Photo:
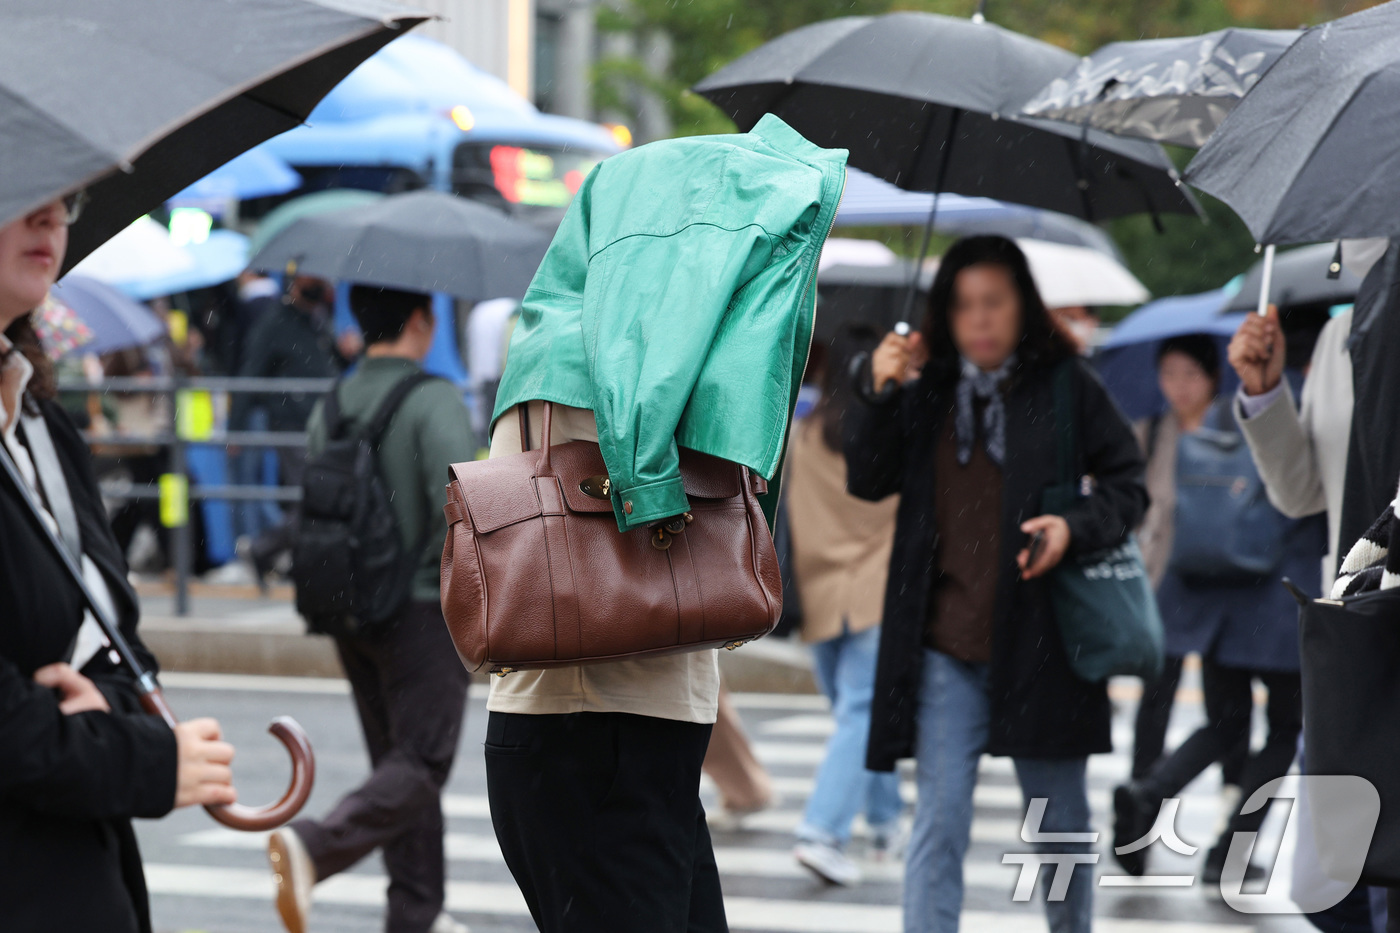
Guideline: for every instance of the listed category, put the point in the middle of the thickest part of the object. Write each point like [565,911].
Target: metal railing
[179,440]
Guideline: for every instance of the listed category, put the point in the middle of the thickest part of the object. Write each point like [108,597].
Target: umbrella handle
[259,819]
[1268,280]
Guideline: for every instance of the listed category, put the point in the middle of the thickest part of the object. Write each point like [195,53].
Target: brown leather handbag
[535,573]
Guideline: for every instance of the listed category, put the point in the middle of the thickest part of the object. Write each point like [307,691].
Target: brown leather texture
[535,573]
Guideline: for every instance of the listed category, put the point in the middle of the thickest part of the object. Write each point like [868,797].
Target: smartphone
[1033,549]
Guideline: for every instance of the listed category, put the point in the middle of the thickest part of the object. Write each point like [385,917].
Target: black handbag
[1351,709]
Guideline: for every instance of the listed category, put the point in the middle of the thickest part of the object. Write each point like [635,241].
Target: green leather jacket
[676,302]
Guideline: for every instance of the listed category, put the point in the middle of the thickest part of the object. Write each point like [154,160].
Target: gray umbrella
[932,103]
[1301,277]
[138,99]
[1167,90]
[423,241]
[1313,153]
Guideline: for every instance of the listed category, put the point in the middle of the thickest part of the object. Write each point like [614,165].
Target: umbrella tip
[981,15]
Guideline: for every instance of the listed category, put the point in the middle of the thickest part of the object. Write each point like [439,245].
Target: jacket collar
[788,141]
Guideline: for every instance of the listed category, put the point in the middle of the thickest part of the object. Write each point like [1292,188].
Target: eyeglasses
[73,205]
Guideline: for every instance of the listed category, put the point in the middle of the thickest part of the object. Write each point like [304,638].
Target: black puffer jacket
[1040,708]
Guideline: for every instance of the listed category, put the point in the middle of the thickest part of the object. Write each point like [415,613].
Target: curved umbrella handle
[258,819]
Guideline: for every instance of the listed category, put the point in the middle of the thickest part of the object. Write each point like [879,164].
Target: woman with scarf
[970,659]
[78,757]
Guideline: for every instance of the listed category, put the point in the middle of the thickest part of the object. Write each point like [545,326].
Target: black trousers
[599,818]
[1229,696]
[410,691]
[1154,713]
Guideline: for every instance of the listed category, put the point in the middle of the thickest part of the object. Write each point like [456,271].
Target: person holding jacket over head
[970,657]
[673,309]
[78,756]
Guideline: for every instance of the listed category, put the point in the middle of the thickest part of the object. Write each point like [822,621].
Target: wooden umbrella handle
[259,819]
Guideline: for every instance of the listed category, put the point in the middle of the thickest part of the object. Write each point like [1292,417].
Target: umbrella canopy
[1313,153]
[870,201]
[138,99]
[1127,361]
[1300,278]
[257,173]
[425,241]
[932,103]
[142,250]
[116,321]
[1074,276]
[1166,90]
[308,205]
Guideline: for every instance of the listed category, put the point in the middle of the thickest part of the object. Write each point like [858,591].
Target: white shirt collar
[15,374]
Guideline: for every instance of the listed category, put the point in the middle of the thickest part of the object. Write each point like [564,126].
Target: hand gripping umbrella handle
[259,819]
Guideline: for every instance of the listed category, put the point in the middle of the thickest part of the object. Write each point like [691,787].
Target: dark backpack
[351,570]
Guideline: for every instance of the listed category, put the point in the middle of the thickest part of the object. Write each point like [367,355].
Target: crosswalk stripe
[745,913]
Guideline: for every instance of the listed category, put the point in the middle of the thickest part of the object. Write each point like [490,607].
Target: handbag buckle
[667,530]
[599,487]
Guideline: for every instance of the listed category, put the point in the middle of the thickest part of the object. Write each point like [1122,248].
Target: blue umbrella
[218,259]
[116,321]
[257,173]
[1127,360]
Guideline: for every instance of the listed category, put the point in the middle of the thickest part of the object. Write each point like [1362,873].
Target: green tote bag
[1103,601]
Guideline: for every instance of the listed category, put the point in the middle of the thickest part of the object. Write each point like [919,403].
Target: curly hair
[43,384]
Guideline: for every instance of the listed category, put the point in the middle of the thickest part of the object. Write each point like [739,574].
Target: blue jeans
[845,670]
[954,714]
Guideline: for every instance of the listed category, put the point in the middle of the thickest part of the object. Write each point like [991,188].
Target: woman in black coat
[78,757]
[970,657]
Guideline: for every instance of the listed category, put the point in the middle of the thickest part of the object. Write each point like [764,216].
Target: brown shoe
[295,875]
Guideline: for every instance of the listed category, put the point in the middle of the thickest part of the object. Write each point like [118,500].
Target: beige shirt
[840,544]
[1156,533]
[677,686]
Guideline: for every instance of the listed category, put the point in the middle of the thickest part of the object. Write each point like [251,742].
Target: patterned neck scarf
[984,387]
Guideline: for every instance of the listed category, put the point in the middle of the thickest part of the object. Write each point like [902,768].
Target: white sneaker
[295,876]
[827,862]
[889,840]
[446,924]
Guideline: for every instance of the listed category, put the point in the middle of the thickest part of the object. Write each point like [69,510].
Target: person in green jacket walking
[410,690]
[674,308]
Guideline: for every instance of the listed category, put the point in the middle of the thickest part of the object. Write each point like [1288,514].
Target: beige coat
[840,544]
[1301,454]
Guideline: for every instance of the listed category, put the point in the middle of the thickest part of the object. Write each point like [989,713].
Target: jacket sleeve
[86,766]
[644,360]
[1284,454]
[1111,455]
[873,442]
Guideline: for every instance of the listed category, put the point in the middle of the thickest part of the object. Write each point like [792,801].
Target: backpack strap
[385,413]
[330,411]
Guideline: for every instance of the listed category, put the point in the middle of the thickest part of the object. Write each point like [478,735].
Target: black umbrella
[1167,90]
[932,103]
[424,241]
[1301,276]
[140,98]
[1313,153]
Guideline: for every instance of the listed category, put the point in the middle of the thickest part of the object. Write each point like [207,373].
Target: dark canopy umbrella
[1301,277]
[141,98]
[1167,90]
[1313,153]
[932,103]
[116,321]
[424,241]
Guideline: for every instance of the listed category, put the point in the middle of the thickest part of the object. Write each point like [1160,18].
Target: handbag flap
[498,492]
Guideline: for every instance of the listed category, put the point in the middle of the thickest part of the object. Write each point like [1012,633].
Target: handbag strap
[1064,422]
[545,468]
[50,472]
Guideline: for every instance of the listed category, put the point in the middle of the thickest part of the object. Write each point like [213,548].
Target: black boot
[1134,813]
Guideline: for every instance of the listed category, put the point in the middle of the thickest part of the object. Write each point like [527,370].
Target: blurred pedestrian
[678,318]
[841,556]
[409,687]
[1188,373]
[744,785]
[293,340]
[1231,608]
[970,658]
[80,757]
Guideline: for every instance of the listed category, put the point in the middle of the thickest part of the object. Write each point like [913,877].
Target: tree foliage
[1187,256]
